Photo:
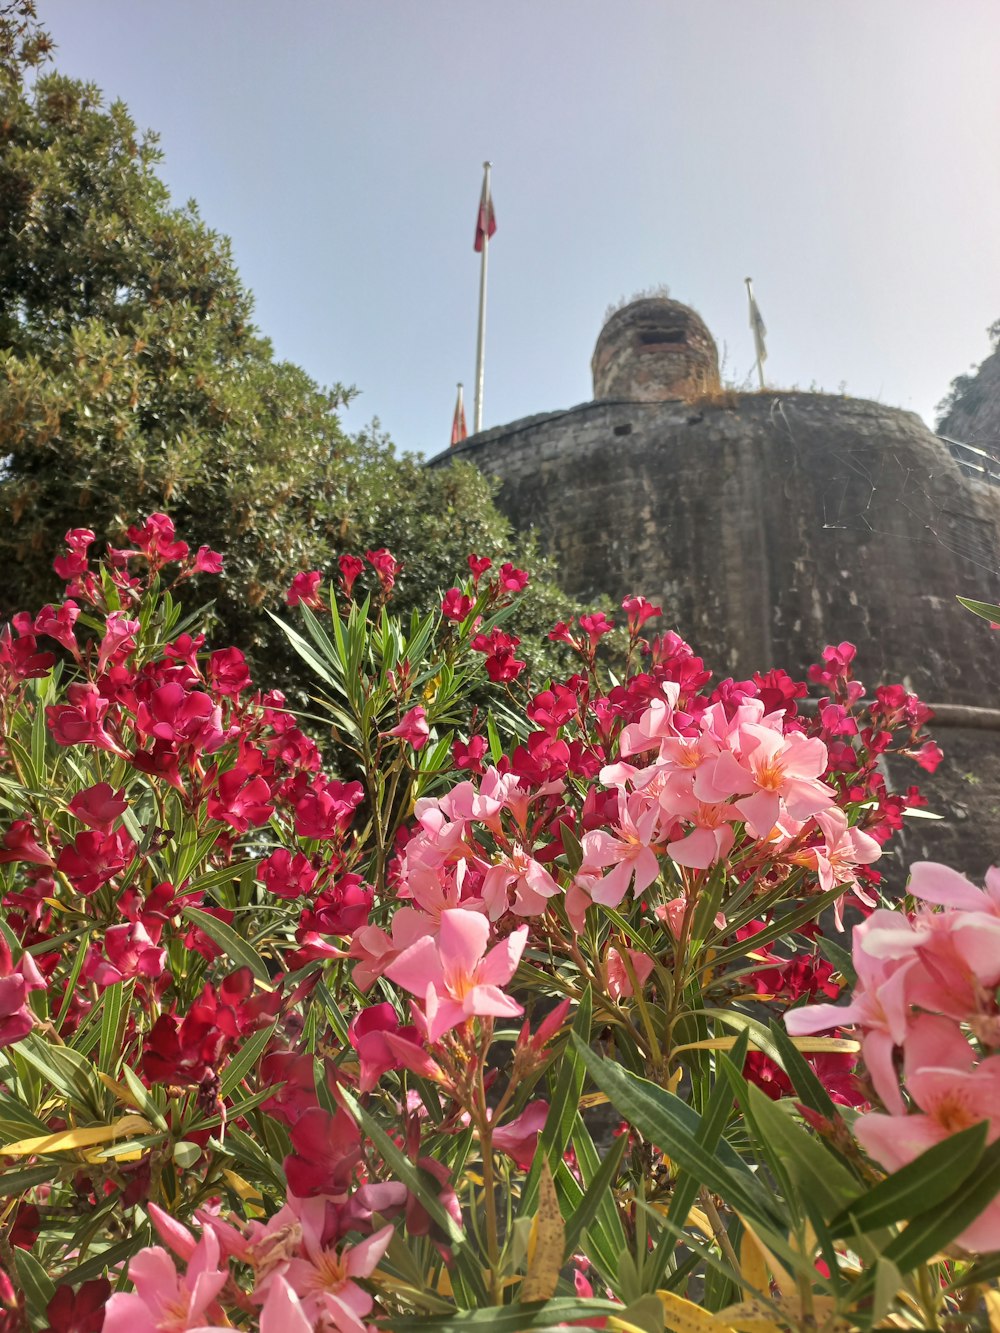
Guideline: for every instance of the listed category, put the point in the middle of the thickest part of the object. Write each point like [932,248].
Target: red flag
[458,429]
[486,223]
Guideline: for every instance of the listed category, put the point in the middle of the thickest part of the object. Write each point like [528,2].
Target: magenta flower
[413,728]
[304,590]
[455,976]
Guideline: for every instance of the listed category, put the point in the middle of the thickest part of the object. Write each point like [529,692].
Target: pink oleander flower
[952,1094]
[620,975]
[99,806]
[532,884]
[455,976]
[629,848]
[16,1019]
[518,1138]
[880,1005]
[305,590]
[163,1300]
[774,774]
[317,1289]
[413,728]
[456,605]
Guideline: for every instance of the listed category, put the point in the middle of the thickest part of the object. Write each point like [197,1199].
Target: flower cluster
[927,991]
[312,1026]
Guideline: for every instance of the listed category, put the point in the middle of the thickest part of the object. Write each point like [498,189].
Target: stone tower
[768,525]
[654,349]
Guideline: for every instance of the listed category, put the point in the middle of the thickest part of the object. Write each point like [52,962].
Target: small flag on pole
[759,331]
[486,223]
[458,430]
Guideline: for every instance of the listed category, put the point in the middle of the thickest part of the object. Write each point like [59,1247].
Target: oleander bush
[526,1018]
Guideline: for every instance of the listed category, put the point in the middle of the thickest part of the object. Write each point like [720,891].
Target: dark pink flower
[350,567]
[413,728]
[511,579]
[327,808]
[456,605]
[479,564]
[155,539]
[228,673]
[304,590]
[207,561]
[285,875]
[78,542]
[385,565]
[99,806]
[95,857]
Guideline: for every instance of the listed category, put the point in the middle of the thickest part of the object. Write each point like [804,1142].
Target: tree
[132,379]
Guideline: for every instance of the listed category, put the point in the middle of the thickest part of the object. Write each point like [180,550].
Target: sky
[843,153]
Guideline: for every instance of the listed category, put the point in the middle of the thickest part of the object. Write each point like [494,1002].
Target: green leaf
[817,1174]
[920,1185]
[809,1089]
[563,1109]
[672,1125]
[14,1183]
[245,1059]
[596,1193]
[985,609]
[38,1286]
[142,1098]
[540,1318]
[115,1001]
[239,950]
[423,1187]
[930,1231]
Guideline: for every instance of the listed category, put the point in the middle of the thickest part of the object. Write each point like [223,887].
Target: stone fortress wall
[769,524]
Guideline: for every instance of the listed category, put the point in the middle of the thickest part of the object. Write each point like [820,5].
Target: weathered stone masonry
[769,524]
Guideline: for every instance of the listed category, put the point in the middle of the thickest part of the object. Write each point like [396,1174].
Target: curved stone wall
[768,525]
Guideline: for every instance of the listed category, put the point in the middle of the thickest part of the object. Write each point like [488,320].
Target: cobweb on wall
[934,503]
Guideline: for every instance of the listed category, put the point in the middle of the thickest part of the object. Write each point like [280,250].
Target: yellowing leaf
[119,1089]
[753,1269]
[546,1244]
[811,1045]
[683,1316]
[751,1317]
[242,1187]
[696,1218]
[69,1140]
[992,1299]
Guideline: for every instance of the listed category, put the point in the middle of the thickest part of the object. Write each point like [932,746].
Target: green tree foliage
[133,379]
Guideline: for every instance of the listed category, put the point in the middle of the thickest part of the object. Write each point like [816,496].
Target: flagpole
[756,335]
[481,340]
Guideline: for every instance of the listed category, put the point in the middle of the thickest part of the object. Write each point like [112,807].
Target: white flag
[758,326]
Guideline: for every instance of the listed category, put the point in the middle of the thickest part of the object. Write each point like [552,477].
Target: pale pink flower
[532,884]
[455,976]
[319,1285]
[939,884]
[619,979]
[519,1137]
[952,1095]
[654,724]
[880,1005]
[374,950]
[710,839]
[630,849]
[784,773]
[163,1300]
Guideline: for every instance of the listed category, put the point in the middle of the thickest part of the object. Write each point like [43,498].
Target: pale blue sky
[845,153]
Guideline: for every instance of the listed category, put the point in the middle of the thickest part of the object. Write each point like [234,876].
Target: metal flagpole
[481,341]
[756,323]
